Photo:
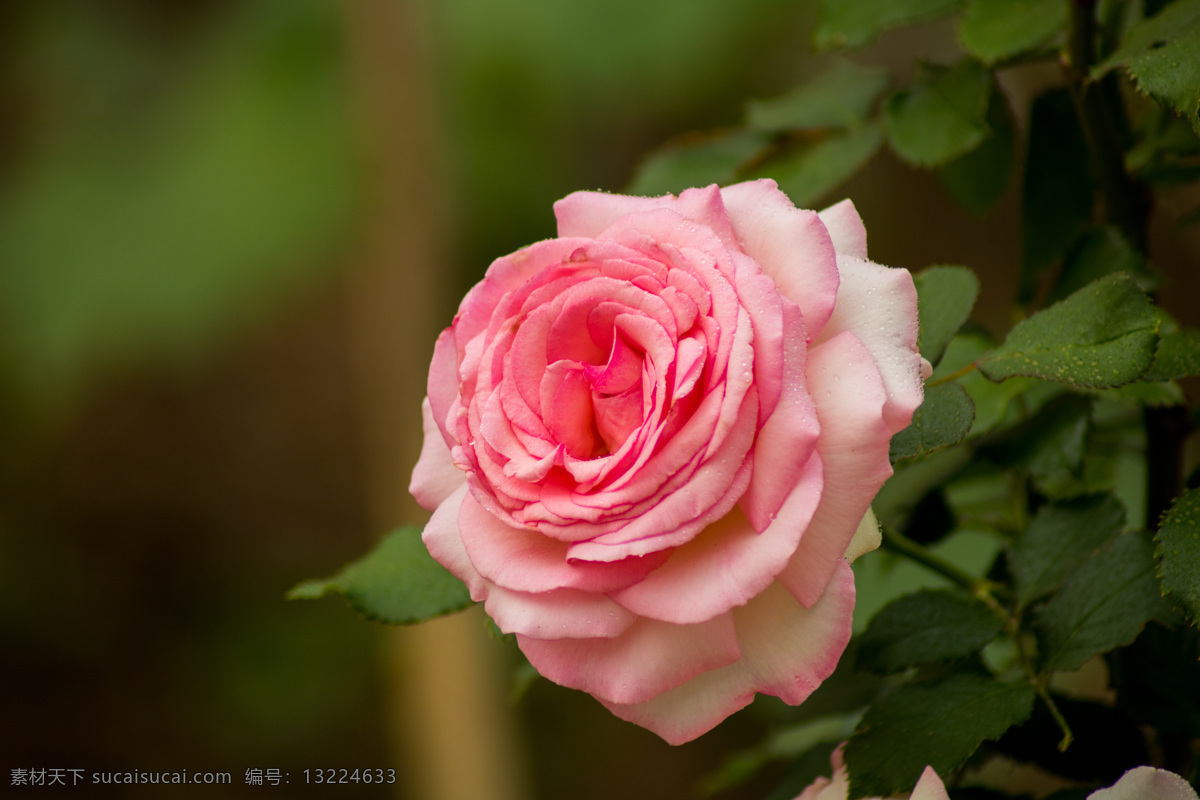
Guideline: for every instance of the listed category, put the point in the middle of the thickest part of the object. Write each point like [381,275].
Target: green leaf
[978,178]
[1058,190]
[1179,552]
[1061,537]
[1177,356]
[925,628]
[1102,605]
[1102,336]
[1160,55]
[991,399]
[945,297]
[940,725]
[398,583]
[697,160]
[808,174]
[942,420]
[941,116]
[993,30]
[1102,252]
[852,23]
[839,97]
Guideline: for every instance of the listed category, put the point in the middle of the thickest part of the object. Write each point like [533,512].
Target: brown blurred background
[229,232]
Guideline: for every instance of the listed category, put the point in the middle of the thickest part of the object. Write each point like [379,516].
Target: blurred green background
[211,211]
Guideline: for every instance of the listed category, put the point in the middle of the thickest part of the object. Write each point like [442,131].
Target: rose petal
[649,658]
[435,477]
[879,304]
[791,244]
[557,614]
[1143,783]
[846,385]
[787,651]
[524,560]
[845,228]
[727,564]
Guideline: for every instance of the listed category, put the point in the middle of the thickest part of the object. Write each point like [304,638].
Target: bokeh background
[229,232]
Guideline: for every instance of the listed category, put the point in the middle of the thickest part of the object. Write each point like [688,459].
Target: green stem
[1039,686]
[1126,203]
[967,370]
[980,587]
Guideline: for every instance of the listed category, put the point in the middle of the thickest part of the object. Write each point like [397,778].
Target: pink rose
[650,442]
[929,787]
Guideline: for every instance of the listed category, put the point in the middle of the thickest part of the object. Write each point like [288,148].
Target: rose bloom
[649,444]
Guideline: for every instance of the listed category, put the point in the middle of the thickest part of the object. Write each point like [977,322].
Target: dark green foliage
[945,297]
[938,724]
[942,420]
[1060,537]
[926,627]
[1102,605]
[1102,336]
[942,115]
[1178,552]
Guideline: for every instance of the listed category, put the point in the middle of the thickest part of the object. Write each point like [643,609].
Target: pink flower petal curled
[879,305]
[791,244]
[929,785]
[787,651]
[435,477]
[846,229]
[649,658]
[847,387]
[728,564]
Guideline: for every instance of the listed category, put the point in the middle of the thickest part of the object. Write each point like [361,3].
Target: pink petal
[441,538]
[791,244]
[524,560]
[879,304]
[846,385]
[846,229]
[787,650]
[557,614]
[784,442]
[592,213]
[434,477]
[1143,783]
[727,564]
[649,658]
[930,787]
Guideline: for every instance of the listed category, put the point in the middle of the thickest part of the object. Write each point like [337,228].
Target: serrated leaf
[1160,55]
[697,160]
[810,173]
[1102,605]
[1101,252]
[992,30]
[398,583]
[1177,356]
[1178,552]
[924,628]
[977,179]
[1102,336]
[945,297]
[941,116]
[851,23]
[1060,537]
[839,97]
[942,420]
[1058,190]
[940,725]
[991,399]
